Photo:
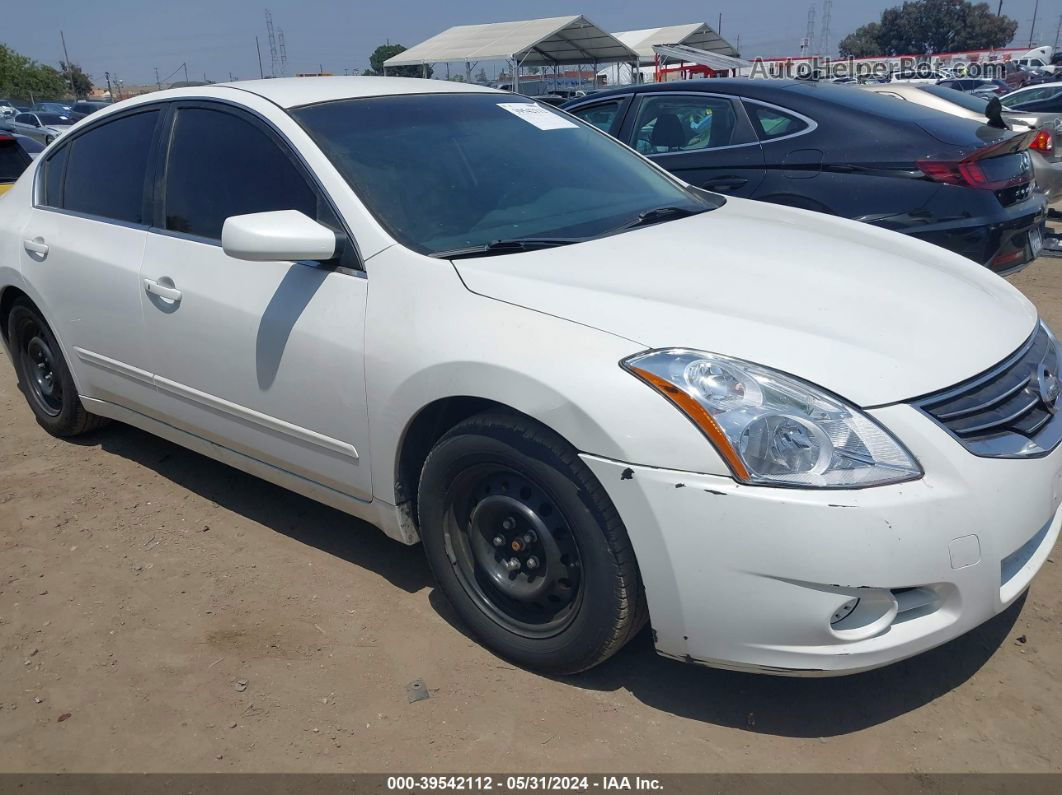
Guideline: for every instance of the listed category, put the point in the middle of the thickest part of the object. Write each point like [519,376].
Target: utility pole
[272,43]
[157,81]
[999,11]
[1032,30]
[1058,31]
[719,27]
[809,37]
[258,47]
[69,71]
[185,65]
[109,92]
[824,37]
[283,54]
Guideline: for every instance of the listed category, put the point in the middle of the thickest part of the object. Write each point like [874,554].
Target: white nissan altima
[600,397]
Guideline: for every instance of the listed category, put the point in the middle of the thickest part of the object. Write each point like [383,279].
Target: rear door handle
[725,183]
[162,290]
[36,246]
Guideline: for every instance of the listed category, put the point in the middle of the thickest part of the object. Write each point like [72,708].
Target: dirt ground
[163,612]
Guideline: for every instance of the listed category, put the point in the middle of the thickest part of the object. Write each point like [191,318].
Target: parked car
[7,108]
[61,108]
[994,87]
[1030,94]
[88,107]
[1045,150]
[1050,103]
[1037,64]
[867,457]
[916,76]
[14,158]
[44,127]
[838,150]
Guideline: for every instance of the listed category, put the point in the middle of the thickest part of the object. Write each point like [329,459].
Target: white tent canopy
[696,34]
[554,41]
[715,61]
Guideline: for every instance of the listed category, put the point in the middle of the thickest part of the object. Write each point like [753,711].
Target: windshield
[448,171]
[967,101]
[53,118]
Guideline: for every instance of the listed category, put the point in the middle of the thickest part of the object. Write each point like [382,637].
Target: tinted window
[773,123]
[13,160]
[446,171]
[27,118]
[602,116]
[105,173]
[967,101]
[222,165]
[53,178]
[683,124]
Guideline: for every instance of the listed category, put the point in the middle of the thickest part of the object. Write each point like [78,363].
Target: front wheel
[527,545]
[44,377]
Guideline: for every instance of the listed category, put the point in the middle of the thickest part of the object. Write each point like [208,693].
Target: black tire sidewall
[21,316]
[579,645]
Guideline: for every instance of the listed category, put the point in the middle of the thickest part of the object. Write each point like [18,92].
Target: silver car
[43,127]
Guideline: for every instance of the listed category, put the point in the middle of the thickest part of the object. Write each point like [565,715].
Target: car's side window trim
[743,123]
[812,125]
[67,144]
[161,158]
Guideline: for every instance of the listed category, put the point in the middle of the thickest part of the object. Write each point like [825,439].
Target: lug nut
[512,564]
[509,523]
[530,537]
[498,541]
[532,562]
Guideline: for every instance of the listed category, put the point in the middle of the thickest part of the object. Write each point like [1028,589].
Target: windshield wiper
[658,214]
[514,246]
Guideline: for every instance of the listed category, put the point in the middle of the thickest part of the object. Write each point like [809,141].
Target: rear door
[81,250]
[265,358]
[702,138]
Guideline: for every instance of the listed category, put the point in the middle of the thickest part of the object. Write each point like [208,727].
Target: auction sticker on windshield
[538,116]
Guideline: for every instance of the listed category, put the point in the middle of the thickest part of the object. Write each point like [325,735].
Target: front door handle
[725,183]
[168,292]
[36,246]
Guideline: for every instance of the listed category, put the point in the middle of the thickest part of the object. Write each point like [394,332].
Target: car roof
[746,86]
[292,92]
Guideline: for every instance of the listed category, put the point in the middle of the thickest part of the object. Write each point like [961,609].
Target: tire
[44,377]
[499,487]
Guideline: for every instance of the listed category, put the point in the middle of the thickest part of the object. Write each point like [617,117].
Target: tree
[385,51]
[72,74]
[920,27]
[24,78]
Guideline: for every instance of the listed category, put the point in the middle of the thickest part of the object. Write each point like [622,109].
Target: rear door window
[221,165]
[685,123]
[13,160]
[106,169]
[771,123]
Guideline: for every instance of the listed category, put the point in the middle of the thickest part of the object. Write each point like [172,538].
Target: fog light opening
[844,611]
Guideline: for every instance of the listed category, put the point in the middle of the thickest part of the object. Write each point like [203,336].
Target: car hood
[872,315]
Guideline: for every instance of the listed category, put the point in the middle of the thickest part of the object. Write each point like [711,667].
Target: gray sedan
[43,127]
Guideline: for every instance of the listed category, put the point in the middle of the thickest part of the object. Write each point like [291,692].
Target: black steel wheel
[514,551]
[44,376]
[527,546]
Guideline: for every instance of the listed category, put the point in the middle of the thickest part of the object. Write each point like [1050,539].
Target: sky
[216,38]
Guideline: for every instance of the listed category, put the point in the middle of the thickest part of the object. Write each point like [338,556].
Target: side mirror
[280,235]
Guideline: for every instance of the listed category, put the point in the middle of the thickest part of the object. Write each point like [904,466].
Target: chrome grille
[1012,410]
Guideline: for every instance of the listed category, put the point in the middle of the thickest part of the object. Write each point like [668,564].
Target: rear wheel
[44,377]
[527,546]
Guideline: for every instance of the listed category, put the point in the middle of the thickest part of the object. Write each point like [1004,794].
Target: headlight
[774,429]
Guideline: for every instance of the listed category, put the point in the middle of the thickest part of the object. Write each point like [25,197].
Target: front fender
[429,338]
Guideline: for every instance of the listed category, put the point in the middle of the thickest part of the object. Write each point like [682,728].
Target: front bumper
[751,578]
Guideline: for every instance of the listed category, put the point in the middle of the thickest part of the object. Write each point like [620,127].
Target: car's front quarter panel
[429,338]
[15,205]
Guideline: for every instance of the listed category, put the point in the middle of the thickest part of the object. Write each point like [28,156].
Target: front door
[265,358]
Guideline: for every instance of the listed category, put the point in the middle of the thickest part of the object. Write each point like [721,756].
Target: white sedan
[598,396]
